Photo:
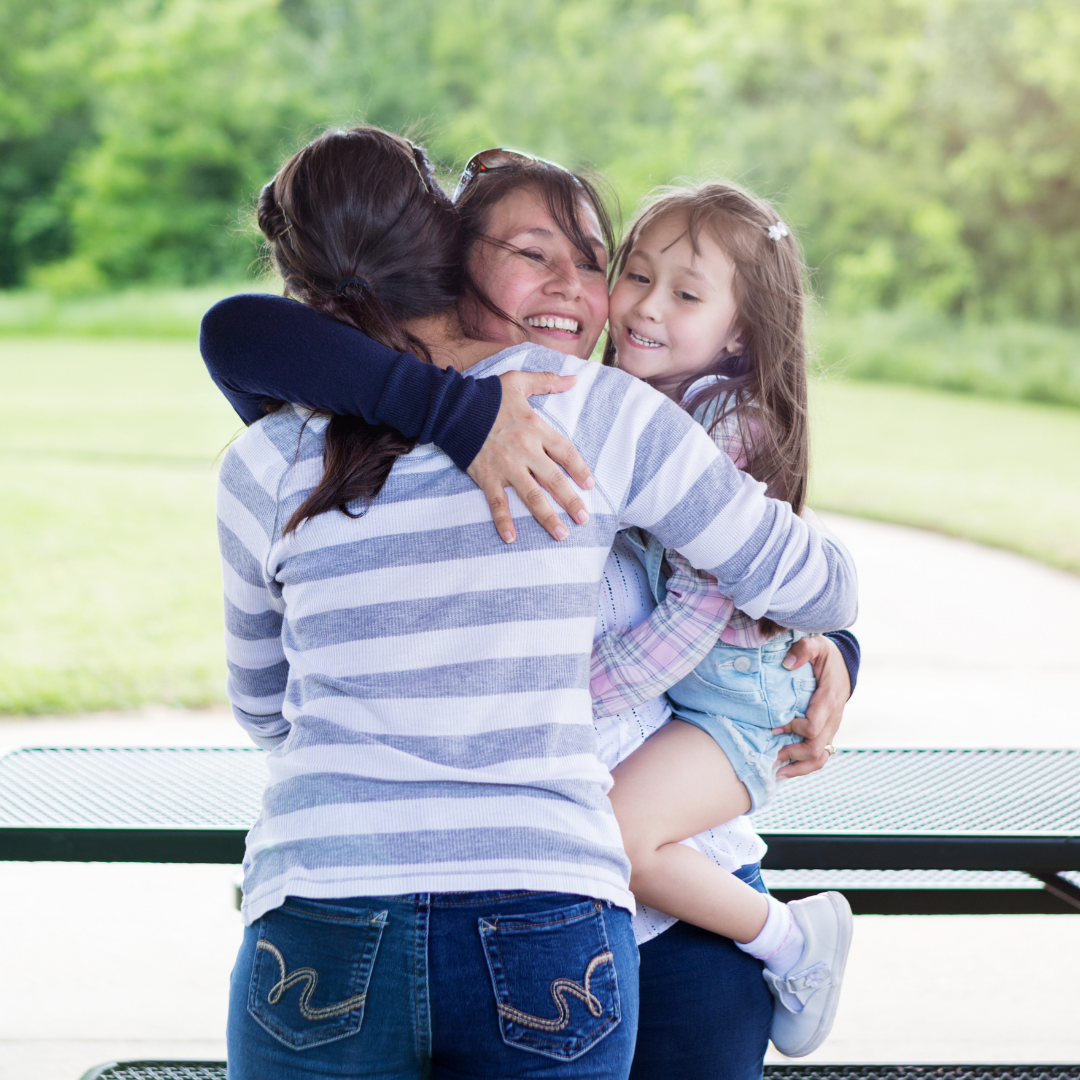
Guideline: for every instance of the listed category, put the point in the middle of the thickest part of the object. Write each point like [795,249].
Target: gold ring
[830,749]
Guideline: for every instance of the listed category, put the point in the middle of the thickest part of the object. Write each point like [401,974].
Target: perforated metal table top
[129,805]
[934,792]
[867,810]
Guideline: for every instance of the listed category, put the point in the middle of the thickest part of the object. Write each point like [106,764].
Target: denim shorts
[466,985]
[738,696]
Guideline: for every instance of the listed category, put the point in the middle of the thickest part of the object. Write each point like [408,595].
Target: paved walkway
[963,646]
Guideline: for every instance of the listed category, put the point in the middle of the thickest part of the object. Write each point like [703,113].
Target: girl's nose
[648,306]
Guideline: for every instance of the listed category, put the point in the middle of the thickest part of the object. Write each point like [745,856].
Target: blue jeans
[459,985]
[705,1009]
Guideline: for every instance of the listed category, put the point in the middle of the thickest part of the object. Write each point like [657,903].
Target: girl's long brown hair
[766,382]
[362,207]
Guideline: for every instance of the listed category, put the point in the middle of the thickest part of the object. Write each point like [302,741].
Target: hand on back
[525,453]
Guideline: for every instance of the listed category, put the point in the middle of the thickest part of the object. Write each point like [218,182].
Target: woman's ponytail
[360,230]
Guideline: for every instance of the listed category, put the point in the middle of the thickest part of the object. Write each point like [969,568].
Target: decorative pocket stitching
[311,977]
[559,988]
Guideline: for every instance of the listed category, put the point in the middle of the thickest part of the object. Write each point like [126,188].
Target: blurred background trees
[928,151]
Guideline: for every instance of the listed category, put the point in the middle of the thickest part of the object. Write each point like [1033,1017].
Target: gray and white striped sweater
[424,687]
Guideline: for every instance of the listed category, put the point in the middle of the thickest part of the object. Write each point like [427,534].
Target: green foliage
[928,151]
[44,119]
[200,100]
[1007,359]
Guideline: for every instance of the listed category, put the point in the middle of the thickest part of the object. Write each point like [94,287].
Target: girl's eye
[641,279]
[686,296]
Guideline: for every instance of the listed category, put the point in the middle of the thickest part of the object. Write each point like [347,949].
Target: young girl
[707,307]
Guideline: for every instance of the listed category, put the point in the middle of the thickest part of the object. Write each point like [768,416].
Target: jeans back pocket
[312,967]
[553,972]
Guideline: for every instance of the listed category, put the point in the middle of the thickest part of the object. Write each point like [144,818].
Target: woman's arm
[258,669]
[630,667]
[259,347]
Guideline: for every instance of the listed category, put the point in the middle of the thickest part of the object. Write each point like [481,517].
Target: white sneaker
[825,920]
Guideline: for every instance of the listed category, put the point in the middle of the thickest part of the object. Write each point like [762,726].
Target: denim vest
[651,553]
[694,692]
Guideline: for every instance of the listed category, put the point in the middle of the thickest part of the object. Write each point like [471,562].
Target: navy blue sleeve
[848,644]
[257,347]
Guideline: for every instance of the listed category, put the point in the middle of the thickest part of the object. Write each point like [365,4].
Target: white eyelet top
[626,600]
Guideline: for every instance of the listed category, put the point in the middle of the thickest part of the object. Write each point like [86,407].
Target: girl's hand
[825,711]
[523,452]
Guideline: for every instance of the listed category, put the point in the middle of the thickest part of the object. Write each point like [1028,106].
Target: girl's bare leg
[680,783]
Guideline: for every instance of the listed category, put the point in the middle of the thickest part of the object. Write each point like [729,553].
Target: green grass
[111,587]
[1002,473]
[1017,360]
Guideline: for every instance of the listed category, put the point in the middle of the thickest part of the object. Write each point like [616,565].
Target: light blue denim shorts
[738,696]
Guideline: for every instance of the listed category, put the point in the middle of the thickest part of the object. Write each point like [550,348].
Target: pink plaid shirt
[630,667]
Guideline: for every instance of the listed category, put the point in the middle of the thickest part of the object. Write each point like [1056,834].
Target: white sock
[779,945]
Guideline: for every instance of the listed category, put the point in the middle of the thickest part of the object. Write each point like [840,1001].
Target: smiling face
[531,270]
[673,309]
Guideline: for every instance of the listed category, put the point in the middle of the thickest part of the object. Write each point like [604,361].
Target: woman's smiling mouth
[553,322]
[643,342]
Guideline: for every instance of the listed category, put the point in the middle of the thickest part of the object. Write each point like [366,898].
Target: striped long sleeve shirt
[424,688]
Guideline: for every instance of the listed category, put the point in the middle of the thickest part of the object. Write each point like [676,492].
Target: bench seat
[215,1070]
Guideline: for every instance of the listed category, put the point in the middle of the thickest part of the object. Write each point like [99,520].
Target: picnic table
[897,831]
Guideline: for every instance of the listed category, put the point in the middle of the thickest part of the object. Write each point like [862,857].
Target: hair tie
[344,283]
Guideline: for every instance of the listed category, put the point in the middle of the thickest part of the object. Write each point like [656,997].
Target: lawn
[111,582]
[1004,473]
[107,547]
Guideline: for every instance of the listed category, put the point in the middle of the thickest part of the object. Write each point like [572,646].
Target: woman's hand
[523,452]
[825,711]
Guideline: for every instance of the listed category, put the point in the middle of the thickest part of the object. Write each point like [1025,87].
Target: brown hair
[360,230]
[766,384]
[563,193]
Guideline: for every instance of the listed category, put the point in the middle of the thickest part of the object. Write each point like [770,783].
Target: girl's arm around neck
[258,346]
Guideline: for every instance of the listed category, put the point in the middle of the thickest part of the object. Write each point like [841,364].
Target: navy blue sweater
[258,347]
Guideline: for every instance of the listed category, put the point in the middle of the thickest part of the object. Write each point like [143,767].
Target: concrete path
[963,646]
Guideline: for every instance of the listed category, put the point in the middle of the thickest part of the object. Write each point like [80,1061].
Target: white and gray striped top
[425,687]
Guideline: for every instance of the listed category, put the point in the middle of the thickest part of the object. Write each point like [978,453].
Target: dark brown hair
[766,383]
[359,229]
[563,193]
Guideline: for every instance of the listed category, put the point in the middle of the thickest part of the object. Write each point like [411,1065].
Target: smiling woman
[544,235]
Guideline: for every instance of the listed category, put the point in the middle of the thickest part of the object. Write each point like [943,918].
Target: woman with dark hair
[436,882]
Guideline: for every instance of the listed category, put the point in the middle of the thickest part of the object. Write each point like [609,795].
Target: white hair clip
[778,231]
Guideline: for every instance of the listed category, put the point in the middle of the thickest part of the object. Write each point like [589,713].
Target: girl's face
[673,309]
[557,294]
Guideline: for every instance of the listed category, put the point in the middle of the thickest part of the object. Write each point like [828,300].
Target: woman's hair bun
[271,215]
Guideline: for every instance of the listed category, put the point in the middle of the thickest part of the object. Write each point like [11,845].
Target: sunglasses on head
[496,157]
